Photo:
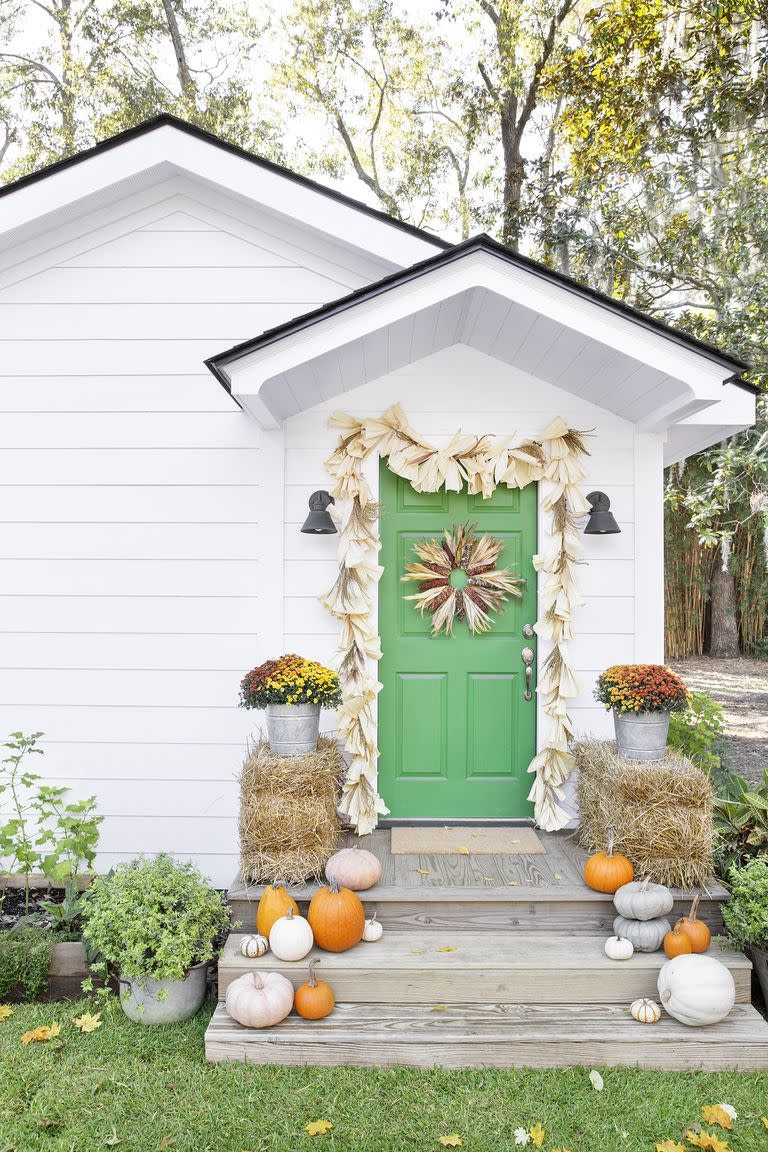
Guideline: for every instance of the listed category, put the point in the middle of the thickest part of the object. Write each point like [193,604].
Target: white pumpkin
[290,937]
[618,948]
[354,868]
[645,935]
[253,946]
[645,1011]
[259,999]
[641,900]
[373,930]
[696,989]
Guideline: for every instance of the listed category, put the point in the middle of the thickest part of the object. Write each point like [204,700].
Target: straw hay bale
[660,812]
[289,825]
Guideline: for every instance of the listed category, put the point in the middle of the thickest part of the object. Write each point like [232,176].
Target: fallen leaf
[42,1035]
[448,948]
[5,1011]
[488,879]
[558,876]
[596,1081]
[512,883]
[319,1127]
[706,1140]
[522,1136]
[423,871]
[729,1108]
[452,1141]
[113,1139]
[418,951]
[716,1114]
[764,1120]
[167,1142]
[462,850]
[48,1122]
[670,1146]
[537,1135]
[439,1008]
[88,1022]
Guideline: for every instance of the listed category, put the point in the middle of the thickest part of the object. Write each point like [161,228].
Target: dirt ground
[741,686]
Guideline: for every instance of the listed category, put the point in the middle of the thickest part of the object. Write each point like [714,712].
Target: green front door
[456,734]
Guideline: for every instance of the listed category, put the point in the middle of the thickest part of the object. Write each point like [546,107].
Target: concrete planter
[292,729]
[641,735]
[180,999]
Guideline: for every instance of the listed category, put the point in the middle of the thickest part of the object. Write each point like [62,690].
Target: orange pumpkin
[608,871]
[695,929]
[676,943]
[315,999]
[274,904]
[336,918]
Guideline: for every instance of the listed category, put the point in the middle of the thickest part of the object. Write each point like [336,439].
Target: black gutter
[165,119]
[482,243]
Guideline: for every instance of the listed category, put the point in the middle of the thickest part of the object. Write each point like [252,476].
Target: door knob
[528,631]
[528,656]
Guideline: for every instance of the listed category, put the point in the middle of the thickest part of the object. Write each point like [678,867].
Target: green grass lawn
[141,1089]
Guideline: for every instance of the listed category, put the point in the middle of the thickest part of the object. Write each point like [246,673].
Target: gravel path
[741,686]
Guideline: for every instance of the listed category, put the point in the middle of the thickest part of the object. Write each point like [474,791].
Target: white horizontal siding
[140,507]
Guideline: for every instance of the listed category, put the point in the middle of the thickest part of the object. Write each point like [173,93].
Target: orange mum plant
[641,688]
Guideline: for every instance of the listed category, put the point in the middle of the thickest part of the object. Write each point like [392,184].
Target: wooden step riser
[370,984]
[573,917]
[500,1036]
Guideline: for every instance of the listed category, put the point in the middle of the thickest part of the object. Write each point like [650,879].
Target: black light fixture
[319,521]
[601,521]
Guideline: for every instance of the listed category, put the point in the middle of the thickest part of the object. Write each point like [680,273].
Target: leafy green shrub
[746,913]
[697,733]
[741,822]
[25,957]
[153,918]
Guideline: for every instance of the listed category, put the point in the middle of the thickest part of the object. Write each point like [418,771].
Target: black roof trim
[165,119]
[482,243]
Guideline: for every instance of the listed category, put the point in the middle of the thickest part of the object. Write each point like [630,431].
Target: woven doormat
[482,840]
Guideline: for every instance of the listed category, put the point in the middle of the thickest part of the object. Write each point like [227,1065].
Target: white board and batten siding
[621,581]
[137,503]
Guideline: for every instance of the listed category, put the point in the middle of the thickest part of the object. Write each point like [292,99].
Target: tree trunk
[188,89]
[724,630]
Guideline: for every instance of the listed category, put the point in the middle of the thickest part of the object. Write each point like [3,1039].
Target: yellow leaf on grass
[42,1035]
[537,1135]
[451,1141]
[319,1127]
[463,850]
[715,1114]
[448,948]
[5,1011]
[670,1146]
[706,1140]
[88,1022]
[764,1120]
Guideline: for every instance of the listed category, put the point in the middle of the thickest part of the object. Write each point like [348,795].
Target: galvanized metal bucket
[292,729]
[165,1001]
[641,735]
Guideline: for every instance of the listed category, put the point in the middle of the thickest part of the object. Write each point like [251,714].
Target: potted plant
[642,696]
[292,690]
[155,923]
[746,914]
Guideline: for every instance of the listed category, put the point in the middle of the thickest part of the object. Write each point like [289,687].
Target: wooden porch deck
[486,961]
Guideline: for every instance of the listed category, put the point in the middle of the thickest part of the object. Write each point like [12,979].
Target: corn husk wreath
[482,463]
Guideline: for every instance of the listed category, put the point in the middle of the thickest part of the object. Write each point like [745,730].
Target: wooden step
[462,967]
[493,1035]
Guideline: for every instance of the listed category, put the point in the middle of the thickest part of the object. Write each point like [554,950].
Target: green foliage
[746,913]
[698,732]
[741,822]
[18,790]
[153,918]
[25,957]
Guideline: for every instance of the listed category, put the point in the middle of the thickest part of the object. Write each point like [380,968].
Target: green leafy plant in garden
[741,822]
[153,919]
[746,913]
[25,957]
[18,792]
[697,733]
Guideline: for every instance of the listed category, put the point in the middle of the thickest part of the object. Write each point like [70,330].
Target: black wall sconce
[601,521]
[319,521]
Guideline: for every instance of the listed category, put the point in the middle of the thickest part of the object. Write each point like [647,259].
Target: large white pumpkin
[290,937]
[696,989]
[259,999]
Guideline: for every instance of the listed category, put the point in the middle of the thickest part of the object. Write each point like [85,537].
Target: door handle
[528,656]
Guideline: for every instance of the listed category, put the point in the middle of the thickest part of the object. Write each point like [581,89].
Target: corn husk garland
[483,464]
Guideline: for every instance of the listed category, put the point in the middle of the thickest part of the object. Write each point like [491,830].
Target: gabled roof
[219,363]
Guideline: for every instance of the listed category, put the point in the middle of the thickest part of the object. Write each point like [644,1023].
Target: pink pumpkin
[354,868]
[259,999]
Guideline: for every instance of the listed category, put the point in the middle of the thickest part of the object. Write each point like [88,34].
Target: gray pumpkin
[641,900]
[645,935]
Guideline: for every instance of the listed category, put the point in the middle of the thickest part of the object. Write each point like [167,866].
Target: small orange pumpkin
[695,929]
[337,918]
[676,943]
[274,904]
[315,999]
[608,871]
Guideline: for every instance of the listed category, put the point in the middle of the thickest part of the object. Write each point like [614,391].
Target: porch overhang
[485,296]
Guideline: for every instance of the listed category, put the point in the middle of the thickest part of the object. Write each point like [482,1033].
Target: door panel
[456,735]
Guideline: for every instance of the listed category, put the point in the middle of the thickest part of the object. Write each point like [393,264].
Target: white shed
[151,538]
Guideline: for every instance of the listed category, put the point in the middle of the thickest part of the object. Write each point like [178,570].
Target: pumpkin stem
[312,977]
[333,887]
[257,981]
[694,906]
[289,913]
[609,852]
